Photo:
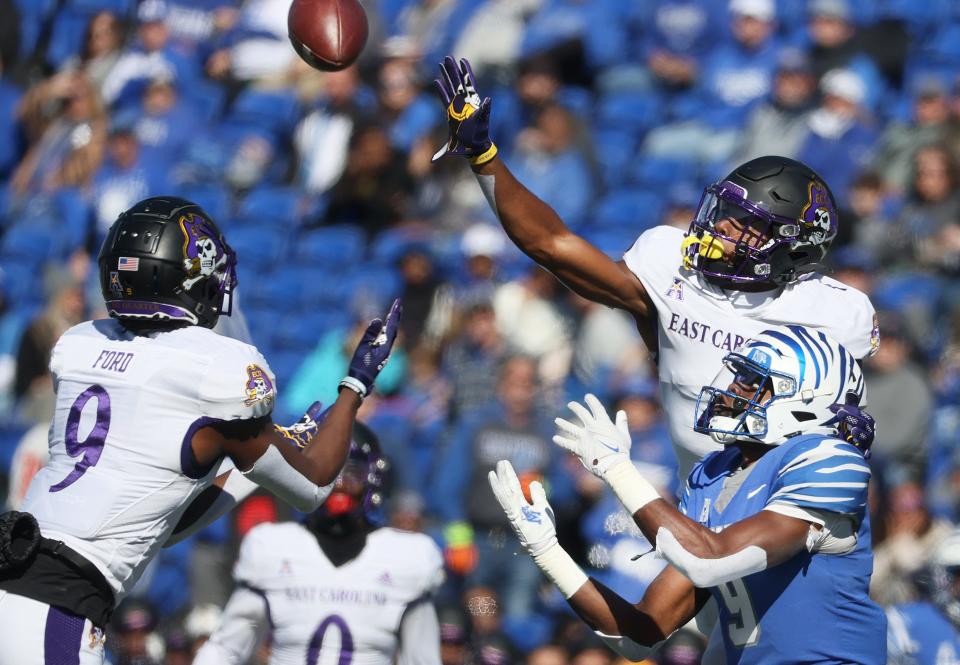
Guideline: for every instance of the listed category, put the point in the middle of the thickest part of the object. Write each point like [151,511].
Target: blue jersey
[813,608]
[919,634]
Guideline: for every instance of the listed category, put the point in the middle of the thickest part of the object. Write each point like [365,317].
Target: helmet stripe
[813,356]
[826,343]
[843,376]
[811,343]
[801,356]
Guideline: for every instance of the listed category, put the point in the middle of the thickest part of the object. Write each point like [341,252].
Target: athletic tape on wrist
[356,385]
[484,157]
[633,490]
[561,569]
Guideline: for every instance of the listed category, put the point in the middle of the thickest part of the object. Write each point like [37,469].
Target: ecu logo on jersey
[259,387]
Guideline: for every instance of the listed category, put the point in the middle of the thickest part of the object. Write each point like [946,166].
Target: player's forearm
[327,451]
[607,612]
[696,538]
[531,224]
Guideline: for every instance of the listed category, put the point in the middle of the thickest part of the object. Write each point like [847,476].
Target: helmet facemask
[761,235]
[734,406]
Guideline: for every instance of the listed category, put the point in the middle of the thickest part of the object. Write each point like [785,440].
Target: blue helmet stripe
[826,343]
[813,340]
[843,376]
[765,345]
[801,356]
[813,356]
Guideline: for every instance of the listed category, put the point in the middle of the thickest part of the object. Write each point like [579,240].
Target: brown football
[328,34]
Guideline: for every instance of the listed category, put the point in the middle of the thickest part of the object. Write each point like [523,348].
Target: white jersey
[361,612]
[698,323]
[121,469]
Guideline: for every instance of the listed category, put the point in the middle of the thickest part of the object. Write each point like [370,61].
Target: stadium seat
[271,205]
[331,246]
[271,290]
[634,112]
[633,208]
[615,149]
[660,171]
[260,246]
[29,243]
[213,198]
[274,111]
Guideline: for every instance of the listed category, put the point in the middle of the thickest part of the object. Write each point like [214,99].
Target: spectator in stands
[867,223]
[426,297]
[532,324]
[546,154]
[164,123]
[682,33]
[900,399]
[548,654]
[151,57]
[473,358]
[930,219]
[779,125]
[454,635]
[929,122]
[841,135]
[322,137]
[510,427]
[911,536]
[535,87]
[124,178]
[406,110]
[67,128]
[491,39]
[834,41]
[374,189]
[133,639]
[736,77]
[66,307]
[102,43]
[10,138]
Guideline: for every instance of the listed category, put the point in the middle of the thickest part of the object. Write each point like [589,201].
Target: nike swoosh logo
[752,494]
[606,445]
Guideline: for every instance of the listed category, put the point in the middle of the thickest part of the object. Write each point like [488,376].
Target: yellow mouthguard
[708,247]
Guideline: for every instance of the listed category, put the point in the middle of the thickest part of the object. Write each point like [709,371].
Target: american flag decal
[128,263]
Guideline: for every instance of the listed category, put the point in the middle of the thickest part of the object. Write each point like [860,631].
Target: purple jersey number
[346,640]
[92,446]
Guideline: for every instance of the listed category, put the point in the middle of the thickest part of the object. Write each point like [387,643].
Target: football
[328,34]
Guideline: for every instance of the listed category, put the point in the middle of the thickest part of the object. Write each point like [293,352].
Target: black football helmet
[164,259]
[783,199]
[360,487]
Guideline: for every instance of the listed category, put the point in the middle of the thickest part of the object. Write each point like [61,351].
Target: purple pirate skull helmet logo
[259,386]
[819,216]
[203,250]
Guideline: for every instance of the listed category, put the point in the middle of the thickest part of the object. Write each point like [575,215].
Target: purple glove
[467,117]
[853,425]
[373,351]
[301,432]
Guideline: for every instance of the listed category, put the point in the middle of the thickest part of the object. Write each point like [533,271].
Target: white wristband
[562,570]
[633,490]
[356,385]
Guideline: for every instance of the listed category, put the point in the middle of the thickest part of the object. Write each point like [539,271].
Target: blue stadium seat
[332,246]
[28,243]
[629,207]
[66,36]
[33,14]
[284,364]
[662,171]
[382,283]
[214,198]
[271,291]
[388,246]
[635,112]
[22,285]
[274,111]
[260,247]
[612,241]
[271,205]
[615,150]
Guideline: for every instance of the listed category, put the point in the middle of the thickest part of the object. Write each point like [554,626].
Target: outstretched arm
[532,225]
[706,557]
[629,629]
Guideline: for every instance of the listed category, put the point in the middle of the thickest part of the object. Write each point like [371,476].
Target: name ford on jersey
[705,333]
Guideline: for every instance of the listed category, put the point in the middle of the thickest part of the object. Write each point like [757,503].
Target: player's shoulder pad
[87,332]
[846,313]
[238,383]
[415,556]
[817,471]
[655,254]
[262,544]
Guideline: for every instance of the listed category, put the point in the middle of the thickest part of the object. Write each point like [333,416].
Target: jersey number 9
[92,446]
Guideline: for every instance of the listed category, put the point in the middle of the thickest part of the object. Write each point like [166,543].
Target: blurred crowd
[615,112]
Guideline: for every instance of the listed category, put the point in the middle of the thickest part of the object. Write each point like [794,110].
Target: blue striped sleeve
[825,474]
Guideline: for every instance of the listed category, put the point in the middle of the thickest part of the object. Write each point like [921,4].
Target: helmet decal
[818,215]
[203,250]
[259,387]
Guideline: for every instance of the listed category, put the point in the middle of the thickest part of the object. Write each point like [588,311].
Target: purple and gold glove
[301,432]
[853,425]
[373,351]
[467,117]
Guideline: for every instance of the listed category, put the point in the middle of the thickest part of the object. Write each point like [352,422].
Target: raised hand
[597,441]
[468,118]
[533,523]
[373,351]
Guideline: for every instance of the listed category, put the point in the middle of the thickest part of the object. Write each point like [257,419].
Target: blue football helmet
[776,385]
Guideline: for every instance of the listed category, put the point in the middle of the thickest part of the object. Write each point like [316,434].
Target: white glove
[534,523]
[598,442]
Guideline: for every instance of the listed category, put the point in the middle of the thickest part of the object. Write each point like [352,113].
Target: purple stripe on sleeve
[61,638]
